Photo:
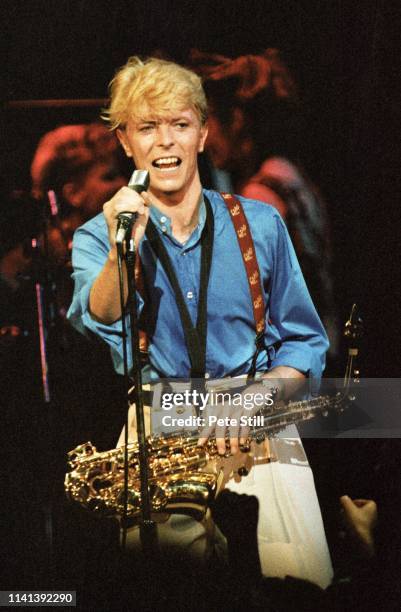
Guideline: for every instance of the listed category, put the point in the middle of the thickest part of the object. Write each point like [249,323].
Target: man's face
[167,148]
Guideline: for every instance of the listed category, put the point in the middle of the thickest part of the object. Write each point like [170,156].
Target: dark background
[345,57]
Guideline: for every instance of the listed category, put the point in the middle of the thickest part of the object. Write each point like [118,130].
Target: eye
[181,125]
[146,128]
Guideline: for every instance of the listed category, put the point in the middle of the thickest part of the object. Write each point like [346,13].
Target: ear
[122,137]
[203,135]
[72,193]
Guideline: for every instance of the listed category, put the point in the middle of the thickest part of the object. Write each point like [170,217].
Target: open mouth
[166,163]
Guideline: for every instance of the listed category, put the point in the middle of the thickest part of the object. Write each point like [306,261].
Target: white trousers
[291,538]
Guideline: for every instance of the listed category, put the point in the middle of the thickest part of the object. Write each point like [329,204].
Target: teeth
[166,161]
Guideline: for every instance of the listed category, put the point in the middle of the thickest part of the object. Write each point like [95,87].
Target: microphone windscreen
[139,181]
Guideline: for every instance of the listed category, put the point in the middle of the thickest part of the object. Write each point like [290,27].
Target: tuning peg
[353,329]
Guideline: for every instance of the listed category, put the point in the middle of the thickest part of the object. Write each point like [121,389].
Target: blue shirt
[230,322]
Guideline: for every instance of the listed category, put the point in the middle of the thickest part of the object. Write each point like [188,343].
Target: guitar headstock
[353,329]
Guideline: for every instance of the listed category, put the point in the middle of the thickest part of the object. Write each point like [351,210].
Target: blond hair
[153,85]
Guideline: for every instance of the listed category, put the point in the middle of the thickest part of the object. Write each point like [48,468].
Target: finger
[204,435]
[221,445]
[126,193]
[234,445]
[233,432]
[137,206]
[125,200]
[244,434]
[143,216]
[220,432]
[139,227]
[125,197]
[147,198]
[346,502]
[348,507]
[361,502]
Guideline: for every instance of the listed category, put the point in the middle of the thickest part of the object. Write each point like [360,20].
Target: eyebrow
[181,118]
[173,119]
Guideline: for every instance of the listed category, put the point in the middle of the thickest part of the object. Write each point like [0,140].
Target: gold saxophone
[183,477]
[96,480]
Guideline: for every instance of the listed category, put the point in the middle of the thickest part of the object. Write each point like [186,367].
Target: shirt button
[164,228]
[190,295]
[163,219]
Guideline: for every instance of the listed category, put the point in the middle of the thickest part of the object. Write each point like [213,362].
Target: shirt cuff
[300,357]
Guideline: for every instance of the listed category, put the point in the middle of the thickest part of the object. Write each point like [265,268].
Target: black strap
[261,346]
[195,337]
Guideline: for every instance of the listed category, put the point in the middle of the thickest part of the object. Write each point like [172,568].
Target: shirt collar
[163,223]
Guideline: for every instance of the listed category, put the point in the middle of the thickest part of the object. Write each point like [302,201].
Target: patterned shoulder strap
[248,253]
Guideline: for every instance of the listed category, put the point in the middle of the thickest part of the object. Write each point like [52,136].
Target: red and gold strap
[247,248]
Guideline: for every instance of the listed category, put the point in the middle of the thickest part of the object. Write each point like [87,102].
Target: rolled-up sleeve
[90,251]
[293,318]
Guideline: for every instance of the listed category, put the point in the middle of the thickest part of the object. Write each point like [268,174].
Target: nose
[165,137]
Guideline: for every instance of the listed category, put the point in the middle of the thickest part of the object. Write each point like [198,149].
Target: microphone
[138,182]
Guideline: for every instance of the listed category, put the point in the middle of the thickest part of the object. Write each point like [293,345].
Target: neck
[183,210]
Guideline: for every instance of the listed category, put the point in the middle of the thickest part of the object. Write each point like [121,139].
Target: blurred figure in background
[254,146]
[75,169]
[81,164]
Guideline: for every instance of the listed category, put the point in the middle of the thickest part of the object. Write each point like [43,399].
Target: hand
[231,419]
[224,421]
[127,200]
[236,515]
[237,518]
[360,518]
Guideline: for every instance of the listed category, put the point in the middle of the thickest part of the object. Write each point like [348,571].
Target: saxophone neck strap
[195,336]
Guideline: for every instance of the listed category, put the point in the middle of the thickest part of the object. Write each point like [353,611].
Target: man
[80,163]
[159,111]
